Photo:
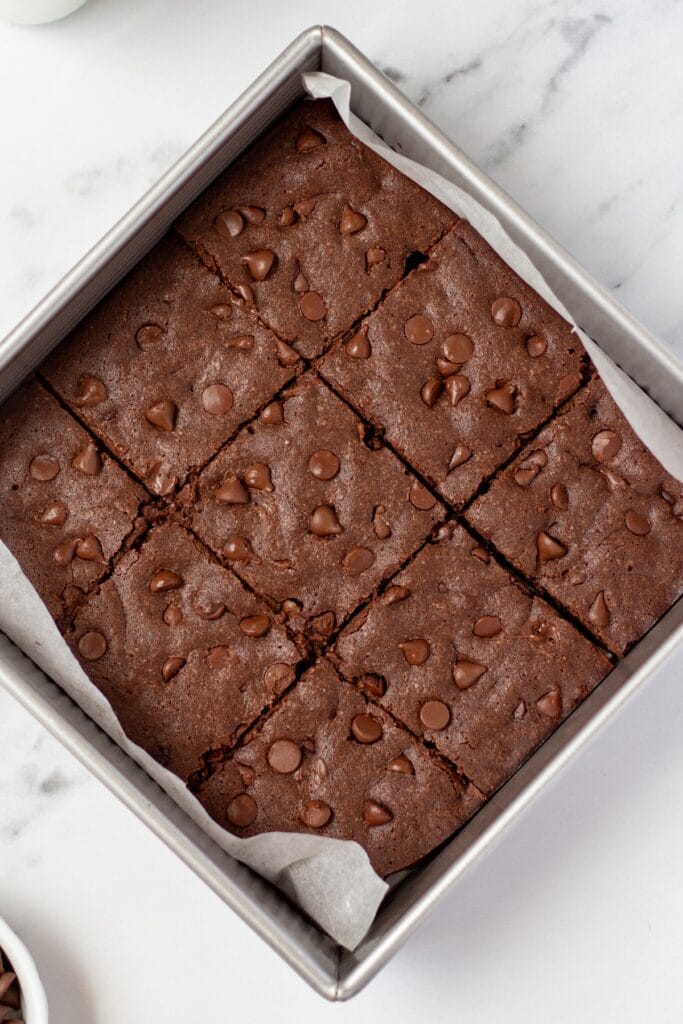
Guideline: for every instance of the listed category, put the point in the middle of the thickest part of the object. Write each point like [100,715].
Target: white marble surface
[575,108]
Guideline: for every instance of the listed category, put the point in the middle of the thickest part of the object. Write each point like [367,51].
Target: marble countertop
[575,107]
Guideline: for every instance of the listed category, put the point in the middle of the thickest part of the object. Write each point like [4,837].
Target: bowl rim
[33,998]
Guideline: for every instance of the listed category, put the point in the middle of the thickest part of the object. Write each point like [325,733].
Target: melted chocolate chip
[91,392]
[323,464]
[242,811]
[416,651]
[506,312]
[315,814]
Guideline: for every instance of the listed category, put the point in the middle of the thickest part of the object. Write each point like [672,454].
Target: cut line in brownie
[325,762]
[67,508]
[186,656]
[309,510]
[312,226]
[458,364]
[466,658]
[168,366]
[588,513]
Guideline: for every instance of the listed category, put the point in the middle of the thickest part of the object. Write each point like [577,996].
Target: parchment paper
[330,879]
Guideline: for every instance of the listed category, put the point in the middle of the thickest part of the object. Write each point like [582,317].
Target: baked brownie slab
[312,226]
[66,506]
[589,513]
[325,762]
[186,656]
[466,658]
[309,510]
[458,363]
[168,366]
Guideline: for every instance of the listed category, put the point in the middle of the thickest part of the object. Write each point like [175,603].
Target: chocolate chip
[379,523]
[149,334]
[88,461]
[287,217]
[605,445]
[162,415]
[457,348]
[307,139]
[375,814]
[232,491]
[503,398]
[217,399]
[530,467]
[242,811]
[305,208]
[487,627]
[245,293]
[229,224]
[520,711]
[482,554]
[548,547]
[253,214]
[599,612]
[395,593]
[324,624]
[324,522]
[435,715]
[255,625]
[420,497]
[65,552]
[550,704]
[219,657]
[315,813]
[286,355]
[161,480]
[637,524]
[54,514]
[273,415]
[171,668]
[467,673]
[259,263]
[278,676]
[239,549]
[312,306]
[223,311]
[358,346]
[92,645]
[419,330]
[374,257]
[208,607]
[401,765]
[457,387]
[366,729]
[506,312]
[173,615]
[257,476]
[559,496]
[244,342]
[431,390]
[536,346]
[284,756]
[90,549]
[163,580]
[300,284]
[43,468]
[91,392]
[415,651]
[351,221]
[461,455]
[323,464]
[357,560]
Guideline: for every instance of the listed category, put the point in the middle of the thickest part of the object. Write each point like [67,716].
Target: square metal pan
[335,973]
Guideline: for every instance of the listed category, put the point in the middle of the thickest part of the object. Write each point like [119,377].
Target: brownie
[588,513]
[467,658]
[186,656]
[458,364]
[326,763]
[312,226]
[309,510]
[168,366]
[66,506]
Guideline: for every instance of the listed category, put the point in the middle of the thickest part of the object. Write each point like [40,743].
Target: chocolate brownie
[186,656]
[66,506]
[309,510]
[168,366]
[459,362]
[312,226]
[589,513]
[468,659]
[327,763]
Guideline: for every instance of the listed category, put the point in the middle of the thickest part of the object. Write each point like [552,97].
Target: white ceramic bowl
[35,12]
[33,998]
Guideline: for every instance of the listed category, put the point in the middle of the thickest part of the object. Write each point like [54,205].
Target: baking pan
[335,973]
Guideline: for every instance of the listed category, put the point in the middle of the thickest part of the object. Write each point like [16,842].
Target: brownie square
[168,366]
[312,226]
[464,656]
[325,762]
[185,655]
[309,510]
[66,506]
[587,512]
[458,364]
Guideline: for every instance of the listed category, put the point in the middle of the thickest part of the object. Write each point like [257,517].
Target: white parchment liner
[332,880]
